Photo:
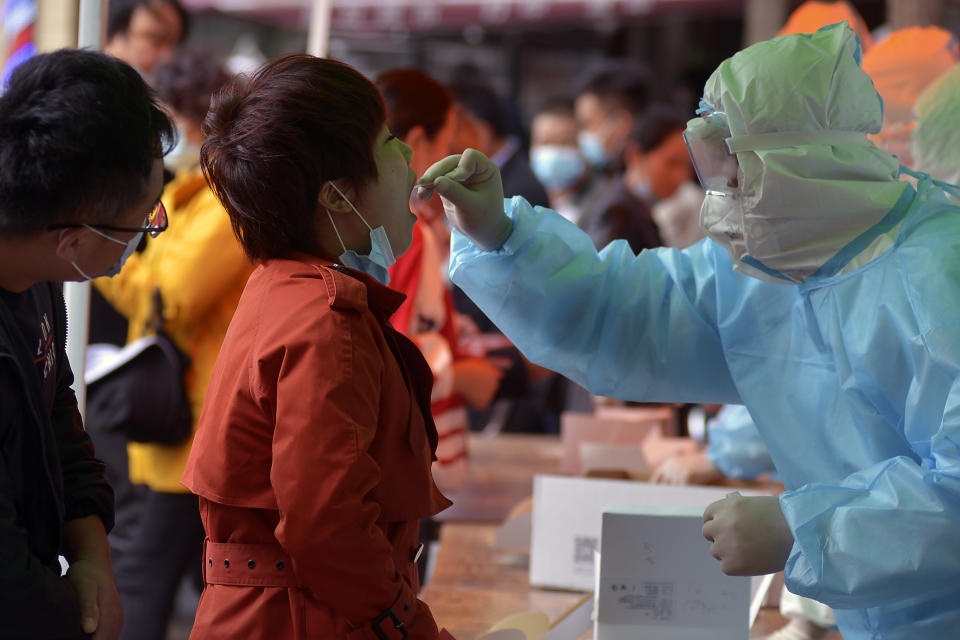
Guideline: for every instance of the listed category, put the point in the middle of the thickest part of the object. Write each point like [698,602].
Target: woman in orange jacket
[312,456]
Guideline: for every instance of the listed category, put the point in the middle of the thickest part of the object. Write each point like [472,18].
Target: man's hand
[750,536]
[87,551]
[470,187]
[100,611]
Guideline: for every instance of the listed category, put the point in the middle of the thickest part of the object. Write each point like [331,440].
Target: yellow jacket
[201,270]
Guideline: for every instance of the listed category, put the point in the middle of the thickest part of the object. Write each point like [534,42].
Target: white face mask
[131,246]
[184,156]
[381,255]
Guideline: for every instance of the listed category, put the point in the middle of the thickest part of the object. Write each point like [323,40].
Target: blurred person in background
[313,453]
[421,112]
[607,106]
[935,140]
[734,449]
[657,163]
[807,221]
[814,14]
[81,141]
[484,127]
[197,270]
[143,33]
[526,392]
[902,65]
[556,159]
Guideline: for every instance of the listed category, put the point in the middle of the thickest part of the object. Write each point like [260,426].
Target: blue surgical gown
[734,444]
[853,381]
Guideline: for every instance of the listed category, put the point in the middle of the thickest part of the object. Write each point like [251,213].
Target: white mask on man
[131,246]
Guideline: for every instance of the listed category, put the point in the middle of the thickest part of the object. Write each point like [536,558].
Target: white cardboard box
[658,582]
[567,516]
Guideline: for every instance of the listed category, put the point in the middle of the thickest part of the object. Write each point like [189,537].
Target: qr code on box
[583,548]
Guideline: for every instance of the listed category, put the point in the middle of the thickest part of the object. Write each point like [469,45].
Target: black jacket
[520,180]
[48,475]
[622,215]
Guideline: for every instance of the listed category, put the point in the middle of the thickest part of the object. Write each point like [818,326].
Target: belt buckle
[397,624]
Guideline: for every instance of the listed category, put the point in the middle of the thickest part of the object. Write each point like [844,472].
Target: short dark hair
[414,99]
[556,105]
[79,132]
[186,83]
[120,13]
[621,84]
[483,102]
[275,137]
[654,126]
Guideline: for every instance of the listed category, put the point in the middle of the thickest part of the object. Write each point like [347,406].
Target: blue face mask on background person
[381,255]
[118,265]
[591,146]
[555,166]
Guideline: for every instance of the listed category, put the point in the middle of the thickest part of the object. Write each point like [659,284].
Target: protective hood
[803,200]
[901,67]
[936,137]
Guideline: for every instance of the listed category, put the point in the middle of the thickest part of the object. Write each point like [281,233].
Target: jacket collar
[183,187]
[352,289]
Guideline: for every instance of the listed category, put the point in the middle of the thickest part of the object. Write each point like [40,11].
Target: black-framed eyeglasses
[154,225]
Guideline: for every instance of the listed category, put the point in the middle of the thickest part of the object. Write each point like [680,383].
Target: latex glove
[691,468]
[749,535]
[101,613]
[476,381]
[471,190]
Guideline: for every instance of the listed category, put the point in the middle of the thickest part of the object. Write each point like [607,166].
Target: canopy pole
[77,294]
[318,38]
[93,14]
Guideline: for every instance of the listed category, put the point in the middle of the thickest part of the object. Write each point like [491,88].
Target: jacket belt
[246,564]
[268,565]
[391,623]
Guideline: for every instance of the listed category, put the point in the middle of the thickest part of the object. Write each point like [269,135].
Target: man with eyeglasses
[144,33]
[81,142]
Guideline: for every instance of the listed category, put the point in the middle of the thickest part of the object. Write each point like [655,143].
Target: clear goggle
[707,141]
[714,150]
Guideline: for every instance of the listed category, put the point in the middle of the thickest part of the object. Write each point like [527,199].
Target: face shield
[707,139]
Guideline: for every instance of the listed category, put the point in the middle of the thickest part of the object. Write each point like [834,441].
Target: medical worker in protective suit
[825,300]
[936,136]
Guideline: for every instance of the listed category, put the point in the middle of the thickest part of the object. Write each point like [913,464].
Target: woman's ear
[332,199]
[416,138]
